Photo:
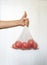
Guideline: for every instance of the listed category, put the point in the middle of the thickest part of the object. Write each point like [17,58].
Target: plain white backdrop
[37,14]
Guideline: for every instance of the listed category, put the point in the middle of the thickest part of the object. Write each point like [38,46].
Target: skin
[24,21]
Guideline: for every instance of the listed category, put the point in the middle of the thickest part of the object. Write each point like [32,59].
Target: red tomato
[30,43]
[18,44]
[35,46]
[24,46]
[14,46]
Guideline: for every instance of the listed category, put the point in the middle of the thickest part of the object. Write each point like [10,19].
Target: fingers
[26,22]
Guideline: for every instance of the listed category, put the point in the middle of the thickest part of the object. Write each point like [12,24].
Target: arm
[8,24]
[22,22]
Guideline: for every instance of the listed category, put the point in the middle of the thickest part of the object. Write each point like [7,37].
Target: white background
[37,14]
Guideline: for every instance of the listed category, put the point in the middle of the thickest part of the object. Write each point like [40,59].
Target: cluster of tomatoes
[30,44]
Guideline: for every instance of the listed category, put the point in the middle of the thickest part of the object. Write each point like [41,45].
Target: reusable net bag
[25,41]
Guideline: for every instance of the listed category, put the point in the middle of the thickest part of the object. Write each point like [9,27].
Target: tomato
[18,44]
[30,43]
[24,46]
[35,46]
[14,46]
[29,46]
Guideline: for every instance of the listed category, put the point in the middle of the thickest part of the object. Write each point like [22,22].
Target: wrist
[21,23]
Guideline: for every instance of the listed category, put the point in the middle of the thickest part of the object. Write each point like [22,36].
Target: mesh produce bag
[25,41]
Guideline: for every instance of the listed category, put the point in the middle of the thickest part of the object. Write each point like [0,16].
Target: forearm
[8,24]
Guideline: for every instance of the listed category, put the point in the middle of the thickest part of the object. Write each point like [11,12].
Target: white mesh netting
[25,41]
[25,35]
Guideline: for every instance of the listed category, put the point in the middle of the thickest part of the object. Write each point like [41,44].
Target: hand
[24,20]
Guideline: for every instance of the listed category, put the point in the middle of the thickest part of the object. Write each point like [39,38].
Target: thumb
[25,15]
